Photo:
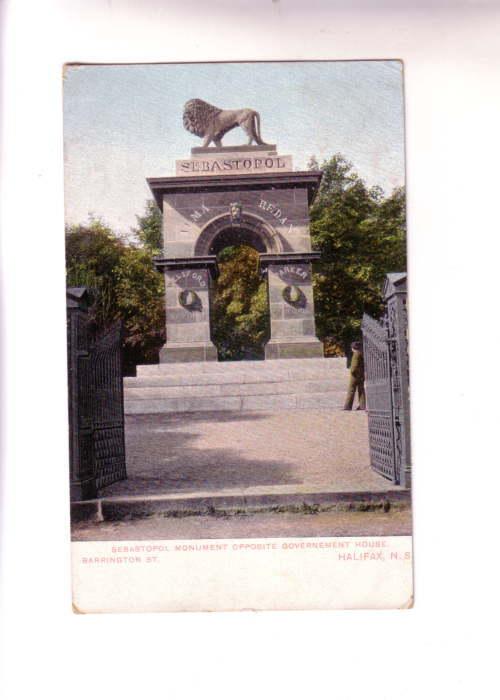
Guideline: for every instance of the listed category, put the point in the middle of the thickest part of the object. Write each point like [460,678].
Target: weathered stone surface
[188,279]
[172,297]
[263,204]
[201,352]
[282,349]
[188,333]
[322,366]
[233,389]
[295,312]
[212,123]
[181,315]
[188,327]
[291,321]
[276,310]
[232,163]
[313,377]
[292,384]
[180,250]
[186,215]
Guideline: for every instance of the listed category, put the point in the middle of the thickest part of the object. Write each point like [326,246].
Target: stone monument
[230,195]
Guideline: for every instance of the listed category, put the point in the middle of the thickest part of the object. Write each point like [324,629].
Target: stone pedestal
[291,306]
[187,299]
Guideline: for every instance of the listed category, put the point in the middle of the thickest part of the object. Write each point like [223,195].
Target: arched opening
[233,237]
[250,230]
[239,315]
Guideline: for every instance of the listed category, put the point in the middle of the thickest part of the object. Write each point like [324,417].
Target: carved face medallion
[235,210]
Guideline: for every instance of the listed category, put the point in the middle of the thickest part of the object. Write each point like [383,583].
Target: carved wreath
[294,296]
[188,299]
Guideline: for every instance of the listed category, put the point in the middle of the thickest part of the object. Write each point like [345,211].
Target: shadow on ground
[307,450]
[166,454]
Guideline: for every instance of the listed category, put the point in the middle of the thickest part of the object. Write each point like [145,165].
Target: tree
[360,233]
[361,236]
[93,253]
[148,229]
[140,304]
[240,323]
[123,285]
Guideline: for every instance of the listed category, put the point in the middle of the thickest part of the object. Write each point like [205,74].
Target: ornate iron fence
[96,416]
[385,349]
[379,397]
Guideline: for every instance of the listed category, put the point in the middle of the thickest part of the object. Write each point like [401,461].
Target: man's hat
[357,345]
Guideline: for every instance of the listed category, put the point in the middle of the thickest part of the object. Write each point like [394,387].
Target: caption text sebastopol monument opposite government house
[233,195]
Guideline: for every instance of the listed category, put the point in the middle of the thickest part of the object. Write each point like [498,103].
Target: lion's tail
[258,138]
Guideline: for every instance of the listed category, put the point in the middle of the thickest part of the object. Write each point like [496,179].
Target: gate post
[395,298]
[81,448]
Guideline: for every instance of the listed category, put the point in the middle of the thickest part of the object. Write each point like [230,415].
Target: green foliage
[123,284]
[361,236]
[140,303]
[240,323]
[92,255]
[360,233]
[148,229]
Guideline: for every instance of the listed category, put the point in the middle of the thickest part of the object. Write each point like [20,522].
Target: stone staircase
[237,386]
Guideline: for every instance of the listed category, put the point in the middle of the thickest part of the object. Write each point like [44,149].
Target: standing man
[357,378]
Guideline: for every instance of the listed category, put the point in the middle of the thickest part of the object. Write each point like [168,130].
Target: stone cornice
[205,262]
[267,259]
[309,179]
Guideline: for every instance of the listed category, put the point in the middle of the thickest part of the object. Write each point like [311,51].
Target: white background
[447,645]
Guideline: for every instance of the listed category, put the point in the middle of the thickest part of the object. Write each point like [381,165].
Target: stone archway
[249,229]
[203,212]
[238,284]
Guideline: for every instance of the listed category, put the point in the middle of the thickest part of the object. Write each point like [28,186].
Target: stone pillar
[291,306]
[187,292]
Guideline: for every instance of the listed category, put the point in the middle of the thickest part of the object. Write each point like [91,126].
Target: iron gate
[96,416]
[107,414]
[379,397]
[385,349]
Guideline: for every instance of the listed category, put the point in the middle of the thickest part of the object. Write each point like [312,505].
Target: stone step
[337,373]
[234,389]
[271,402]
[237,386]
[190,368]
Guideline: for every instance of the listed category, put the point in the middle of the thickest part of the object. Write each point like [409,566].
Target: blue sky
[123,124]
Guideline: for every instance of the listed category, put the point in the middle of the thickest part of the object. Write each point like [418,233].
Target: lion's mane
[197,116]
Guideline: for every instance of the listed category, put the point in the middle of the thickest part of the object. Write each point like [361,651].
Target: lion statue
[212,123]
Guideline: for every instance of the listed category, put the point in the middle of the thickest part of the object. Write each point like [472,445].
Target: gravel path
[325,524]
[186,452]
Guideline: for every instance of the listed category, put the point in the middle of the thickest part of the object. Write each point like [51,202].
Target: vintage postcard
[237,315]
